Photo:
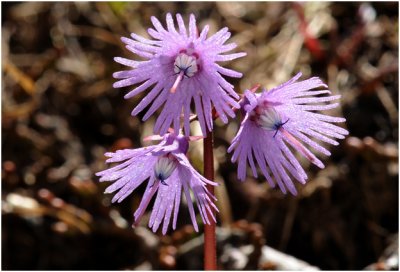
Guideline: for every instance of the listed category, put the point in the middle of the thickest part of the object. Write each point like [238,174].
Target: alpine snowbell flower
[180,66]
[167,170]
[281,117]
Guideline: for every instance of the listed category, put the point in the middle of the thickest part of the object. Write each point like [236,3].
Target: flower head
[180,66]
[167,170]
[281,117]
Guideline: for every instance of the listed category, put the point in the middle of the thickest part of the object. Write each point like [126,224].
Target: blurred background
[60,114]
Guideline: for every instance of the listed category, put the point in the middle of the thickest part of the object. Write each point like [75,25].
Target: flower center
[269,119]
[184,65]
[164,167]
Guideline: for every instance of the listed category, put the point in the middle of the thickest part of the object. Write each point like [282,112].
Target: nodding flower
[168,172]
[180,66]
[281,117]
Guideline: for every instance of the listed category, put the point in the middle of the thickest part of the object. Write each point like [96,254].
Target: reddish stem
[210,249]
[312,43]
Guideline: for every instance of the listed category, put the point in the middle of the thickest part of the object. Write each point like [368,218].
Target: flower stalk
[210,246]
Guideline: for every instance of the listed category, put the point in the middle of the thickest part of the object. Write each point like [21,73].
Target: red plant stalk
[312,43]
[210,245]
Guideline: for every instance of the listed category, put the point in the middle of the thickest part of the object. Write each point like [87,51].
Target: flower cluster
[180,68]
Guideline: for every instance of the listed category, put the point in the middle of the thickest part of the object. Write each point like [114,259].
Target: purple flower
[282,117]
[168,171]
[180,67]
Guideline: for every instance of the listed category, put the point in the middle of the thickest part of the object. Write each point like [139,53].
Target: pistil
[297,145]
[177,81]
